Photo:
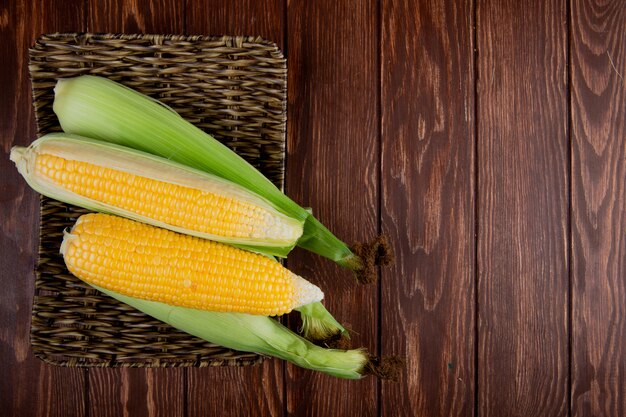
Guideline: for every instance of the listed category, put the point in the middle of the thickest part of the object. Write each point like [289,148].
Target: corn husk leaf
[249,333]
[319,325]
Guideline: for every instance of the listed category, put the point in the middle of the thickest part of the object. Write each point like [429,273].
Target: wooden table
[487,139]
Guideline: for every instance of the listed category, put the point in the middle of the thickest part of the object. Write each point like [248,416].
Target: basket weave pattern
[232,87]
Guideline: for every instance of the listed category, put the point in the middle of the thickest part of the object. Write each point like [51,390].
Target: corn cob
[146,262]
[109,178]
[106,177]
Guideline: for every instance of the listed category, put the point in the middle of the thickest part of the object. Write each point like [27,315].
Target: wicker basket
[232,87]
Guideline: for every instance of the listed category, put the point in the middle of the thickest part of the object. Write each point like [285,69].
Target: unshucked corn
[102,109]
[107,177]
[150,263]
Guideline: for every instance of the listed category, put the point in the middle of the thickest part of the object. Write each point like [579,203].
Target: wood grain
[405,69]
[231,391]
[428,205]
[598,105]
[256,390]
[522,208]
[29,387]
[333,168]
[136,16]
[241,17]
[136,392]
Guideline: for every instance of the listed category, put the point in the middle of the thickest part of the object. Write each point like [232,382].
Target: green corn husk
[320,327]
[259,334]
[103,109]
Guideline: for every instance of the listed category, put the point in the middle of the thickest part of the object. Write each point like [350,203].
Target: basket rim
[157,38]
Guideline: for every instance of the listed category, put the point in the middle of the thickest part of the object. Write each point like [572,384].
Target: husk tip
[17,154]
[325,333]
[335,340]
[60,84]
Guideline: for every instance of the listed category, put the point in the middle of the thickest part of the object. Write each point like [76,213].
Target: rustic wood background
[487,138]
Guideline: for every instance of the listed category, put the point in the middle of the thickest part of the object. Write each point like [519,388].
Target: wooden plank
[428,205]
[136,16]
[241,17]
[522,208]
[136,392]
[598,67]
[235,391]
[29,387]
[251,390]
[333,165]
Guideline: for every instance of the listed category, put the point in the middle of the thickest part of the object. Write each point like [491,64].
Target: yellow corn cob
[143,261]
[150,189]
[174,204]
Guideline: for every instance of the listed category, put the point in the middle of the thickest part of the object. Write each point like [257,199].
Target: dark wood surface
[598,222]
[522,211]
[428,140]
[486,138]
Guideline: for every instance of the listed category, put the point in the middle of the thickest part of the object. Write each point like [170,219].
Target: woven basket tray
[232,87]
